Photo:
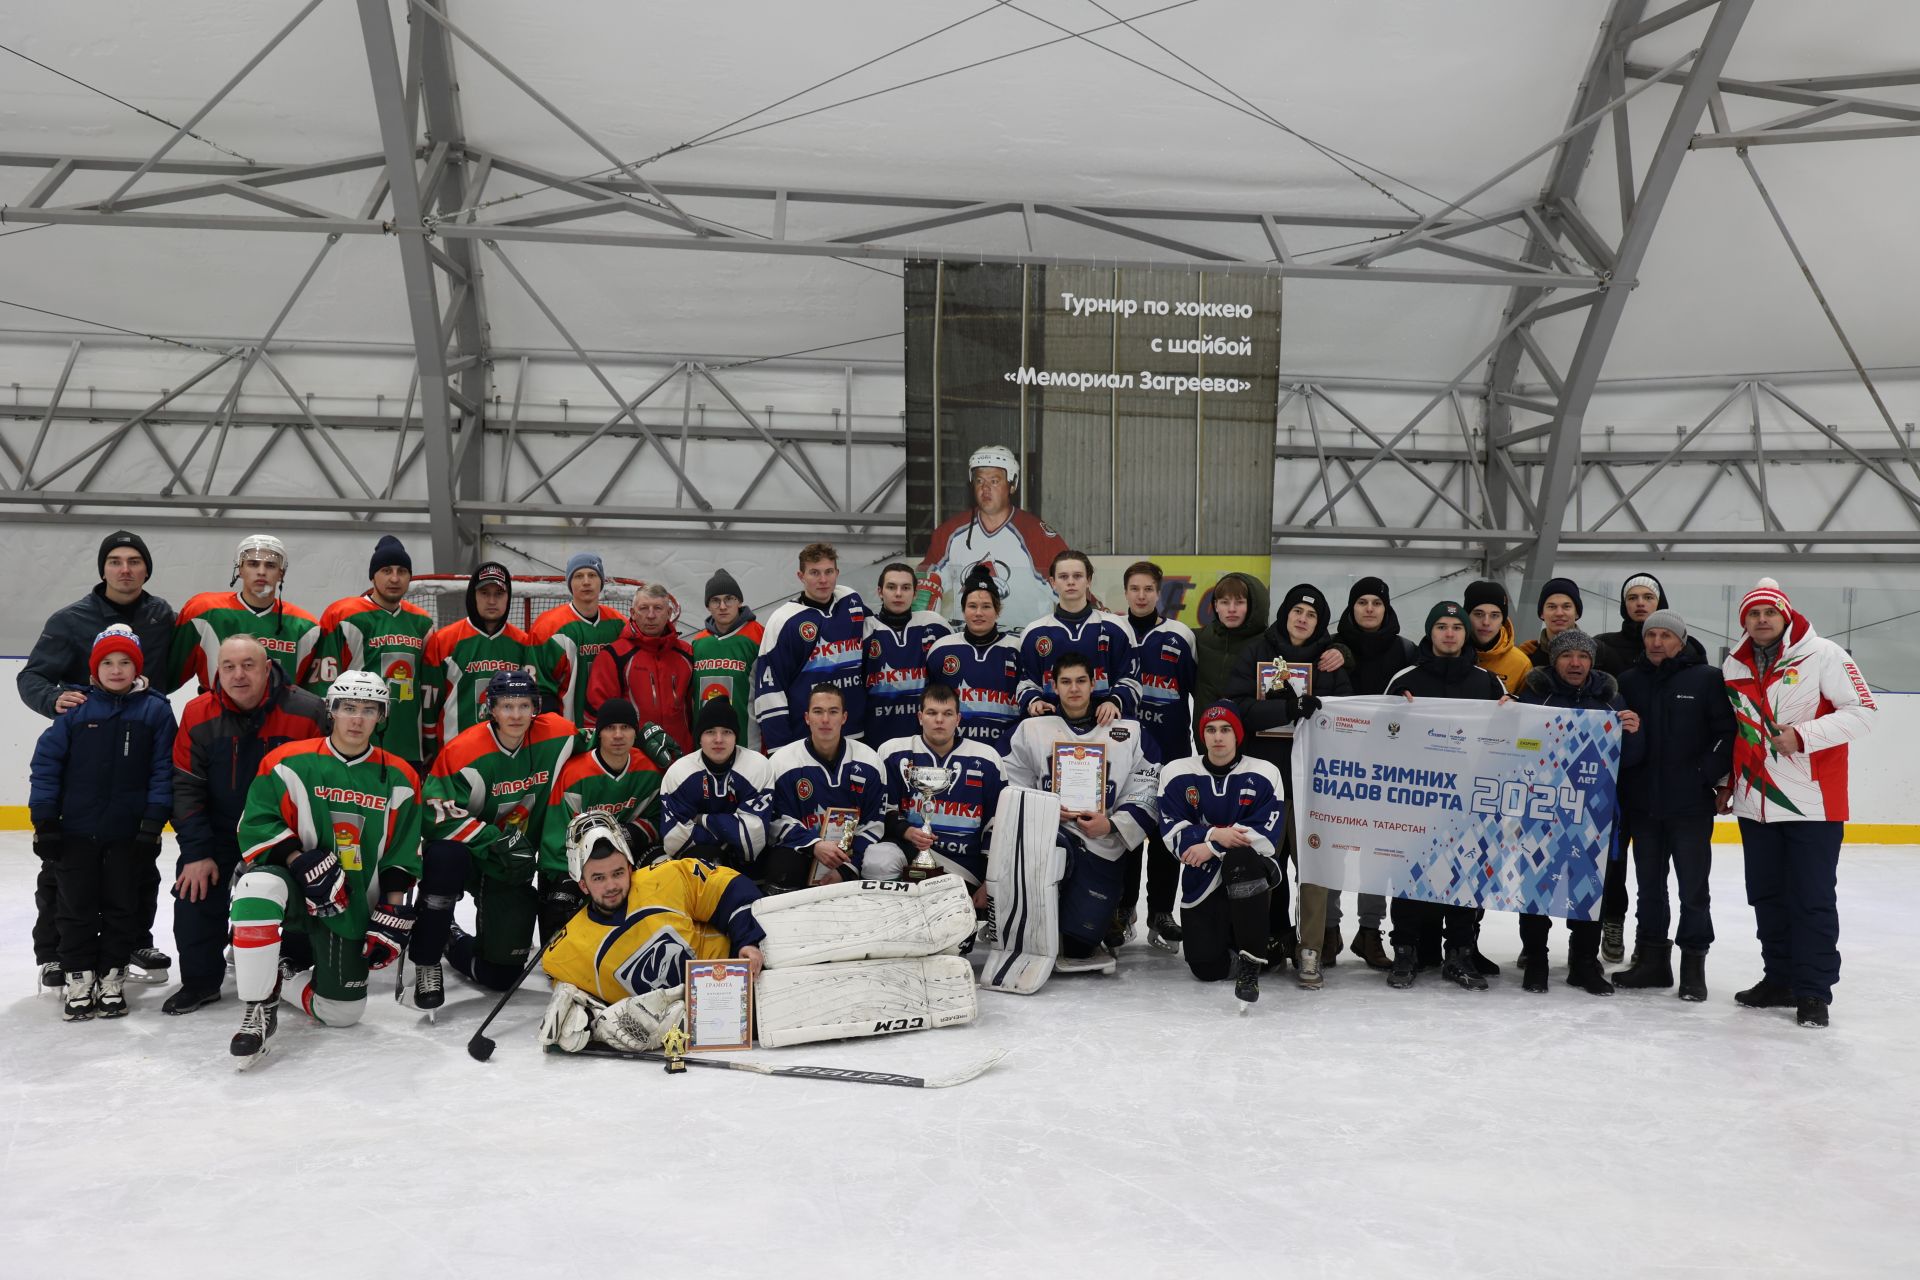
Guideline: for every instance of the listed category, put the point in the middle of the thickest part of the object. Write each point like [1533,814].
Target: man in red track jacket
[650,666]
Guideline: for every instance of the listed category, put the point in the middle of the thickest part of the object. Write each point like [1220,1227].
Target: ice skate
[429,989]
[149,966]
[1163,934]
[110,996]
[77,1002]
[1245,972]
[1100,961]
[257,1025]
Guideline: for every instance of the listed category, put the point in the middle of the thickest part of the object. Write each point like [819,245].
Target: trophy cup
[927,781]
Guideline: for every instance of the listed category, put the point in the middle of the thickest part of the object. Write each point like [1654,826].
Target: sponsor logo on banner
[1393,729]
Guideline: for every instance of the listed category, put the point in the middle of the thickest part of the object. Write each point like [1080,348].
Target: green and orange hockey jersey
[359,634]
[366,810]
[212,617]
[723,668]
[461,659]
[480,793]
[579,640]
[589,783]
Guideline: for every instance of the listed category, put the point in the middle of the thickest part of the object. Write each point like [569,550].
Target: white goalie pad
[864,920]
[1024,865]
[862,998]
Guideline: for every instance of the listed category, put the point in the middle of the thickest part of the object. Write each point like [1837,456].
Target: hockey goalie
[854,959]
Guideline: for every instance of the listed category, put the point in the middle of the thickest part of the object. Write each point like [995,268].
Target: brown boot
[1366,945]
[1331,946]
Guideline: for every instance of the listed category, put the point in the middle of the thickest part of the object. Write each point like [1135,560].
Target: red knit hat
[1223,713]
[117,638]
[1766,591]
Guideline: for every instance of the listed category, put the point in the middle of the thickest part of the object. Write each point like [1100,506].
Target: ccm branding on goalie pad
[864,920]
[1024,866]
[862,998]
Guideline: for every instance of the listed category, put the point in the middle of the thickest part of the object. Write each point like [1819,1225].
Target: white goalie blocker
[1024,866]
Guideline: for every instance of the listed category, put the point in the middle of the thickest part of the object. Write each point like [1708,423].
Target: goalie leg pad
[862,998]
[864,920]
[1024,864]
[883,861]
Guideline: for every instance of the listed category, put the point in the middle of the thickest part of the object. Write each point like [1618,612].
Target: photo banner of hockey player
[1134,409]
[1504,806]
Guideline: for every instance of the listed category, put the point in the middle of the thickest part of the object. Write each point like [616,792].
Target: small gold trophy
[674,1046]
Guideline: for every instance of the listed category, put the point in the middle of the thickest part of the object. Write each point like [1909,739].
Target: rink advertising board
[1509,806]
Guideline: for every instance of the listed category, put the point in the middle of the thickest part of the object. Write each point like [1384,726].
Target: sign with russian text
[1506,806]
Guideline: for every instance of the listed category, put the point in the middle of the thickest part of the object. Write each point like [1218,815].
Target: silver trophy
[927,781]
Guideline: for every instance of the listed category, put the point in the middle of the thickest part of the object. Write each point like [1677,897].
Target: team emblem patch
[1119,733]
[951,664]
[809,632]
[1043,646]
[803,789]
[1193,796]
[873,648]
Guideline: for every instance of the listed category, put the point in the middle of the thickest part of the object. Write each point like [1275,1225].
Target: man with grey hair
[252,710]
[650,666]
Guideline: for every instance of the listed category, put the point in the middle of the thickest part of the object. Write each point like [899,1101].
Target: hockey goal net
[444,596]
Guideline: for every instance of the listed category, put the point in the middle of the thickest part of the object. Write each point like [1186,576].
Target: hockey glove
[639,1023]
[568,1021]
[321,879]
[515,855]
[48,843]
[147,838]
[387,934]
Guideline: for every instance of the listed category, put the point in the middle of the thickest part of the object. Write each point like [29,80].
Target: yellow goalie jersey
[681,910]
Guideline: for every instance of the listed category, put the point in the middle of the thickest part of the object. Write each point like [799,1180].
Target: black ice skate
[1162,933]
[429,988]
[1245,972]
[149,966]
[257,1026]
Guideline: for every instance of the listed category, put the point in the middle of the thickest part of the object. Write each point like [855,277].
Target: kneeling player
[825,807]
[842,960]
[706,797]
[613,779]
[1222,814]
[328,822]
[941,793]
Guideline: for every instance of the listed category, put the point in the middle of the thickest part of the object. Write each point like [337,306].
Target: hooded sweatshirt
[1503,659]
[1377,655]
[1216,646]
[1260,715]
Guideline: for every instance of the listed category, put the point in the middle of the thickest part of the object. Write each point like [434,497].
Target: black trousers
[98,907]
[1162,876]
[1234,917]
[46,910]
[1686,845]
[1583,937]
[1459,926]
[1792,883]
[200,930]
[1613,893]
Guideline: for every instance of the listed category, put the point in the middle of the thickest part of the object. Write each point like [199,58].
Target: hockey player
[825,808]
[1096,843]
[816,638]
[995,537]
[841,960]
[379,631]
[706,797]
[1222,813]
[578,630]
[650,666]
[611,778]
[952,825]
[1164,664]
[258,609]
[330,846]
[724,651]
[487,798]
[897,643]
[1077,625]
[981,665]
[463,656]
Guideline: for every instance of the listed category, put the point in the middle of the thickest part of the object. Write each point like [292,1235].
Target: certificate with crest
[719,1004]
[1080,776]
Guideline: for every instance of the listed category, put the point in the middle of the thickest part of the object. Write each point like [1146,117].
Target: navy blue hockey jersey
[1101,638]
[809,797]
[804,645]
[961,816]
[987,680]
[1164,665]
[703,805]
[1193,801]
[897,672]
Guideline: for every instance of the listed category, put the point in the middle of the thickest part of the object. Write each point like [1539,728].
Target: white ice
[1139,1127]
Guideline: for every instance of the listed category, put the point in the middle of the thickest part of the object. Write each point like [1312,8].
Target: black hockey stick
[847,1074]
[480,1048]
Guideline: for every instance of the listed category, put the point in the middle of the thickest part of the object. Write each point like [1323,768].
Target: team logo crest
[1043,646]
[809,632]
[803,789]
[1193,796]
[346,842]
[1119,733]
[400,680]
[873,648]
[1393,728]
[1313,842]
[951,664]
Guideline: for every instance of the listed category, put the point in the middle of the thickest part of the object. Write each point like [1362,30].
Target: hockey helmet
[511,684]
[263,543]
[996,455]
[358,686]
[586,833]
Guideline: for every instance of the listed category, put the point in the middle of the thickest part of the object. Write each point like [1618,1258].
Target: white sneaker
[1307,960]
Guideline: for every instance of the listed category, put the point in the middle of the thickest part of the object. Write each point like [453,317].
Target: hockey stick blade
[848,1074]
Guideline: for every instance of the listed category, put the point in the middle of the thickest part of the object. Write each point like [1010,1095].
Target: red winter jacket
[655,673]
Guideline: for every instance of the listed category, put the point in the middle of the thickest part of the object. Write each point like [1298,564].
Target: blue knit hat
[585,560]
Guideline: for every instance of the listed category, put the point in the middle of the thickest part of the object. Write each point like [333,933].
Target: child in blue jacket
[102,787]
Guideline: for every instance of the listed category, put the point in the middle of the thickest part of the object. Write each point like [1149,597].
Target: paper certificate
[719,1005]
[1080,776]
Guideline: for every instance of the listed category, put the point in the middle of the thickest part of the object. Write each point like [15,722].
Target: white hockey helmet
[996,455]
[264,543]
[586,833]
[358,686]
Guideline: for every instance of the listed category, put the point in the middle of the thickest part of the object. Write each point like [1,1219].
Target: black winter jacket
[1377,655]
[1432,676]
[58,662]
[217,755]
[1687,720]
[1259,714]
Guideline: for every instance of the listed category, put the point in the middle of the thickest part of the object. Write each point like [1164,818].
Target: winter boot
[1765,994]
[110,997]
[1163,934]
[1280,948]
[1589,977]
[153,965]
[1533,972]
[1613,941]
[1812,1012]
[1308,963]
[187,999]
[1330,946]
[1406,967]
[257,1025]
[1481,965]
[1693,976]
[1459,969]
[76,1001]
[1245,972]
[1366,945]
[1654,968]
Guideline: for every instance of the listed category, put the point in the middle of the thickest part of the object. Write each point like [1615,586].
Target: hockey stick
[480,1048]
[847,1074]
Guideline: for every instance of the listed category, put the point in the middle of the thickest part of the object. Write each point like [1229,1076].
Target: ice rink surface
[1139,1127]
